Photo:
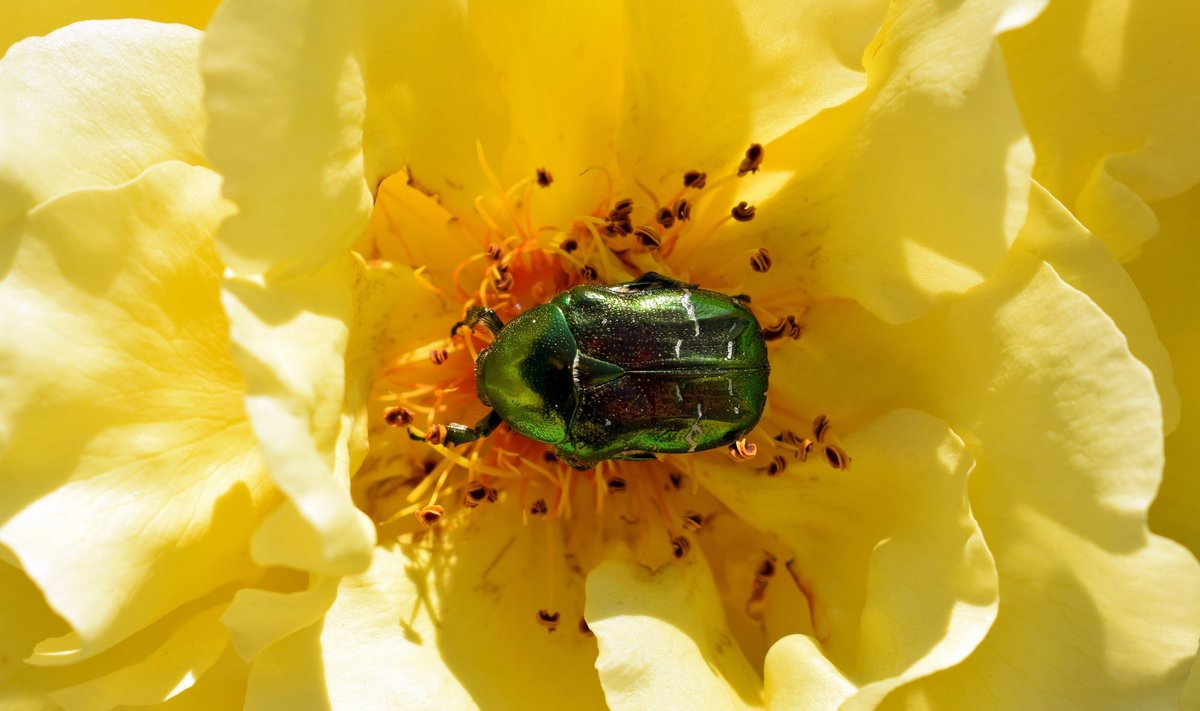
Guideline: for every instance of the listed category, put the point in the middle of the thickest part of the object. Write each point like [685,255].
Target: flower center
[653,509]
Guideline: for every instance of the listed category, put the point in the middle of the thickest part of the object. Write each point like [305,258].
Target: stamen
[430,515]
[761,261]
[648,237]
[548,619]
[695,179]
[693,521]
[615,484]
[785,326]
[398,416]
[743,212]
[665,217]
[439,356]
[777,466]
[569,245]
[836,457]
[743,450]
[820,428]
[494,252]
[477,493]
[544,178]
[752,161]
[436,434]
[680,546]
[539,508]
[683,210]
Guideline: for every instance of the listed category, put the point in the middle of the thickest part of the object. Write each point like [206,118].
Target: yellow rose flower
[230,266]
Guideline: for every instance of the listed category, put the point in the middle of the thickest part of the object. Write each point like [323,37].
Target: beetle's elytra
[622,371]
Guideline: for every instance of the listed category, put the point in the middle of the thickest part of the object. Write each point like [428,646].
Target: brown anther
[776,330]
[503,281]
[665,217]
[430,515]
[584,629]
[695,179]
[397,416]
[621,209]
[495,252]
[475,494]
[648,237]
[549,457]
[544,178]
[615,484]
[680,546]
[744,212]
[693,521]
[761,261]
[752,161]
[492,495]
[777,466]
[623,226]
[836,457]
[436,434]
[806,448]
[439,355]
[743,450]
[820,428]
[683,210]
[766,569]
[589,273]
[569,245]
[676,479]
[548,619]
[539,508]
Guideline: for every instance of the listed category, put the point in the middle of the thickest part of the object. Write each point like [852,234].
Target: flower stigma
[417,488]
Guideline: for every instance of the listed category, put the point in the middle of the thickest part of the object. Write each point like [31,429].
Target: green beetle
[623,371]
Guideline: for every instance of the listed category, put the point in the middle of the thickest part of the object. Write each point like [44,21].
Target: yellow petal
[1066,428]
[51,145]
[179,656]
[705,80]
[432,99]
[1110,92]
[663,640]
[898,578]
[1053,233]
[117,370]
[258,618]
[23,20]
[285,105]
[911,191]
[799,676]
[434,625]
[1168,274]
[289,339]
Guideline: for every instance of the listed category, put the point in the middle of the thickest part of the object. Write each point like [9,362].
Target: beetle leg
[478,314]
[460,434]
[654,280]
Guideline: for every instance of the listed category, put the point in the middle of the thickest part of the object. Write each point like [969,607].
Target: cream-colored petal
[663,639]
[1110,92]
[289,339]
[132,479]
[1053,234]
[897,575]
[1066,428]
[23,20]
[449,621]
[285,103]
[1168,274]
[912,191]
[704,81]
[799,676]
[95,104]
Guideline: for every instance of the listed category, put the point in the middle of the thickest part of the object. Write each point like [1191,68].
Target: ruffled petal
[894,567]
[433,624]
[289,338]
[23,20]
[285,104]
[117,371]
[663,640]
[800,676]
[1110,92]
[1168,275]
[910,192]
[704,81]
[1066,428]
[49,146]
[1053,234]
